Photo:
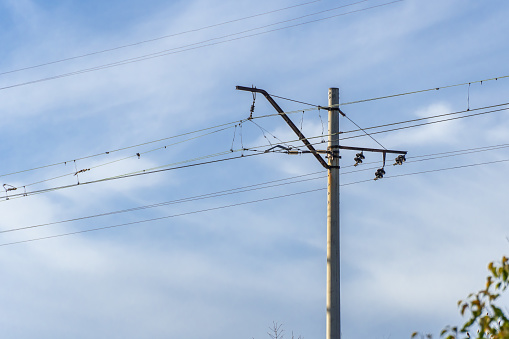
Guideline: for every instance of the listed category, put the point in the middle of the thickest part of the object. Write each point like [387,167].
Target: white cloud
[411,246]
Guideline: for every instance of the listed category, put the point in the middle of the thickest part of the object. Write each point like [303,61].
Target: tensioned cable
[385,125]
[425,90]
[464,151]
[362,129]
[429,123]
[147,170]
[342,113]
[122,176]
[230,124]
[397,94]
[248,188]
[433,117]
[399,128]
[156,39]
[165,217]
[314,137]
[434,156]
[269,184]
[184,49]
[242,203]
[137,155]
[486,148]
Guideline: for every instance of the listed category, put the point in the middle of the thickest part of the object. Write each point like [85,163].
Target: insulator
[400,160]
[379,174]
[358,158]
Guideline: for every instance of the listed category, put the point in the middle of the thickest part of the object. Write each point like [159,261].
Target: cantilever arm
[288,121]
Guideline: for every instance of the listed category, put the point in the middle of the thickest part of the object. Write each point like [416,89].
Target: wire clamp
[8,188]
[82,171]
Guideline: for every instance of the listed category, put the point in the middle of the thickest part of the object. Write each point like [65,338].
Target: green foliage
[485,319]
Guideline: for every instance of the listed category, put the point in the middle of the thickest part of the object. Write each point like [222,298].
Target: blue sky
[411,245]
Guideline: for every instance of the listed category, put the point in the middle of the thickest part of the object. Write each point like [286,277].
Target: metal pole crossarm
[301,152]
[372,150]
[333,108]
[288,121]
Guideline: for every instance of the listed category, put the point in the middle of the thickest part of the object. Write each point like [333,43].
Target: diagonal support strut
[288,121]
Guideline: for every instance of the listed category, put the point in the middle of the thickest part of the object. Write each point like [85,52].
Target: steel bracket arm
[288,121]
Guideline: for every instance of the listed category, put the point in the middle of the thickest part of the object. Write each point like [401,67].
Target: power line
[229,125]
[425,90]
[137,155]
[463,151]
[162,218]
[270,184]
[156,39]
[123,176]
[436,116]
[364,130]
[338,135]
[429,123]
[189,47]
[399,94]
[125,148]
[243,203]
[441,155]
[243,189]
[241,121]
[256,147]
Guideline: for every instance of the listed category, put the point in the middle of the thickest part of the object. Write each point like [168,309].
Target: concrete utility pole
[333,323]
[333,318]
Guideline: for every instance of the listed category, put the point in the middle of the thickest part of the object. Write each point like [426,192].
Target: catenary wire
[229,124]
[128,175]
[429,123]
[314,137]
[425,90]
[441,155]
[433,117]
[137,155]
[264,185]
[162,218]
[184,48]
[232,124]
[156,39]
[269,184]
[242,203]
[429,157]
[154,170]
[338,135]
[397,94]
[243,189]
